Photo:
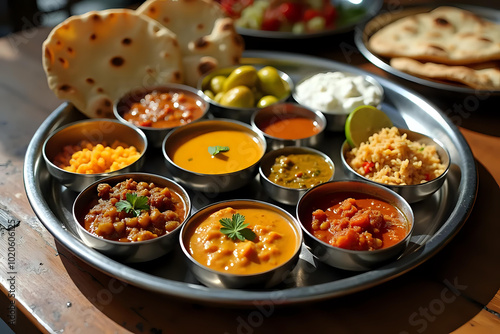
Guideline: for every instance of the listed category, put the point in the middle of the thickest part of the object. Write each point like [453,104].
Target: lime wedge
[364,121]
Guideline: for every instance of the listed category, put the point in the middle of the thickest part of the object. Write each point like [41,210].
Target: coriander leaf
[214,150]
[237,228]
[133,205]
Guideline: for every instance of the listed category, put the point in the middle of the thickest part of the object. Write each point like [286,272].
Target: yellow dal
[192,153]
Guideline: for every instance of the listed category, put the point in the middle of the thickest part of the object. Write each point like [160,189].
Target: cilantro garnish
[133,204]
[236,228]
[214,150]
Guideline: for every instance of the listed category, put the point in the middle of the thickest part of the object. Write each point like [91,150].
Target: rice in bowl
[391,158]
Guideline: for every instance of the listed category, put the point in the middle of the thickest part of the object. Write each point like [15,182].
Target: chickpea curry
[115,216]
[300,171]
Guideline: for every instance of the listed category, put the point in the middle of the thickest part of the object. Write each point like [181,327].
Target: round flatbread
[207,38]
[95,58]
[446,35]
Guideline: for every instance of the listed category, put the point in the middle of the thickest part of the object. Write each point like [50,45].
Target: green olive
[271,83]
[217,83]
[239,97]
[209,93]
[266,101]
[218,97]
[245,75]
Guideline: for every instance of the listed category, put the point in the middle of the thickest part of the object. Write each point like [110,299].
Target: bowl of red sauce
[289,124]
[158,110]
[354,225]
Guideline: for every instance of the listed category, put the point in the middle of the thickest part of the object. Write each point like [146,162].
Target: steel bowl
[210,183]
[239,114]
[344,258]
[156,135]
[285,195]
[336,119]
[412,193]
[278,111]
[129,252]
[218,279]
[95,131]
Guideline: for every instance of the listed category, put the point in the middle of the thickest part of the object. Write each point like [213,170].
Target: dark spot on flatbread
[107,103]
[227,26]
[175,43]
[65,88]
[152,10]
[166,20]
[200,26]
[177,75]
[150,71]
[441,21]
[70,50]
[99,112]
[49,55]
[58,43]
[93,37]
[62,60]
[100,90]
[200,43]
[65,27]
[485,39]
[438,48]
[95,17]
[117,61]
[90,81]
[126,41]
[206,66]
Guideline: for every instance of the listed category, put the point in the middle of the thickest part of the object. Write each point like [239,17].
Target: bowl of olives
[237,92]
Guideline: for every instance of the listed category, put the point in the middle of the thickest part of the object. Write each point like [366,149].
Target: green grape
[316,24]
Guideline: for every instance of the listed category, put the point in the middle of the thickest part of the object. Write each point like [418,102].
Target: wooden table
[456,290]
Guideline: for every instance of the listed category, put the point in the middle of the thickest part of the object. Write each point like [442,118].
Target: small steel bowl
[336,119]
[285,195]
[344,258]
[218,279]
[95,131]
[411,193]
[280,111]
[129,252]
[239,114]
[156,135]
[210,183]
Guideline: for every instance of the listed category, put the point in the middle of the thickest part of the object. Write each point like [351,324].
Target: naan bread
[446,35]
[207,38]
[95,58]
[486,77]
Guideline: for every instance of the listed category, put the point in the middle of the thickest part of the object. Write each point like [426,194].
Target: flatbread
[207,38]
[95,58]
[445,35]
[485,76]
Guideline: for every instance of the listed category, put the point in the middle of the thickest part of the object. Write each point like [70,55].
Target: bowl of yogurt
[336,94]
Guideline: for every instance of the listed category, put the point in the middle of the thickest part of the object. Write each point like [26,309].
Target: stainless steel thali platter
[363,10]
[437,219]
[364,32]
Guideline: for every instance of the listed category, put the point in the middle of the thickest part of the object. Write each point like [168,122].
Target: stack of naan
[446,43]
[95,58]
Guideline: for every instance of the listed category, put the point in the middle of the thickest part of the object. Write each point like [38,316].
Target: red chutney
[164,110]
[290,127]
[360,224]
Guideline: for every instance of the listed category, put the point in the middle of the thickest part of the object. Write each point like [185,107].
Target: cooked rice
[396,160]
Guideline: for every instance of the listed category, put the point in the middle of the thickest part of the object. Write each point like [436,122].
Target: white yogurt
[337,92]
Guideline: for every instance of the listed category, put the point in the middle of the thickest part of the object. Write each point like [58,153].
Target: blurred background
[16,15]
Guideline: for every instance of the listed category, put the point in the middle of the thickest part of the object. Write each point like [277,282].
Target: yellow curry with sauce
[276,242]
[192,153]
